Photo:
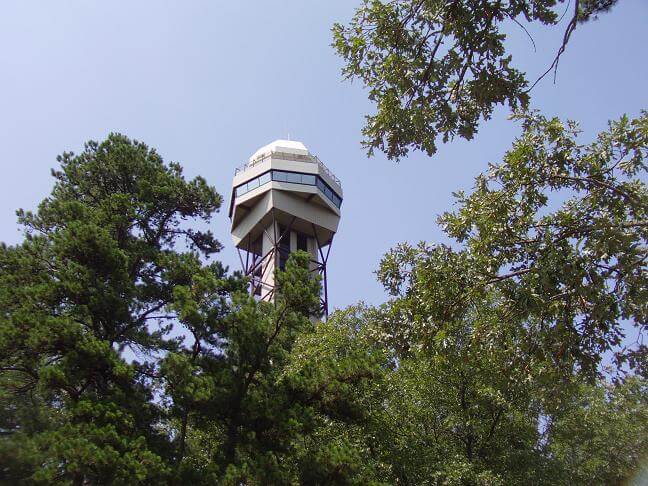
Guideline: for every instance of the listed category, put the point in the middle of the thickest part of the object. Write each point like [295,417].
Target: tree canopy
[512,355]
[555,236]
[127,357]
[436,68]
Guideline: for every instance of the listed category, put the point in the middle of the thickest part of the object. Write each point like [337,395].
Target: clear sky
[208,82]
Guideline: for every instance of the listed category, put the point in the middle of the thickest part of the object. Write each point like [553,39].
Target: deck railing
[312,159]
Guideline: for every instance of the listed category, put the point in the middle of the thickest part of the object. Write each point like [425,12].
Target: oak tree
[436,68]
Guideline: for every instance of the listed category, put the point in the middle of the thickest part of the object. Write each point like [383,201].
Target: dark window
[294,178]
[284,247]
[302,242]
[278,176]
[257,245]
[264,178]
[253,184]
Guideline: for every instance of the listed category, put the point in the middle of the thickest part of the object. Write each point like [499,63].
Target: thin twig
[568,32]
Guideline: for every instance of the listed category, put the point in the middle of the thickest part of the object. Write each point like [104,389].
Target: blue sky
[208,82]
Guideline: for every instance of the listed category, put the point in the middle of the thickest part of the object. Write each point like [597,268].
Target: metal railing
[312,159]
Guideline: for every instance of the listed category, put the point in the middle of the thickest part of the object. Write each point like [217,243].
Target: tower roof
[286,146]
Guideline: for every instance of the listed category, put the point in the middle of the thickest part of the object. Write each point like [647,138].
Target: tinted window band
[293,178]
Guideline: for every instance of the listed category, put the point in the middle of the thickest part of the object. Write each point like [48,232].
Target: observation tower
[284,199]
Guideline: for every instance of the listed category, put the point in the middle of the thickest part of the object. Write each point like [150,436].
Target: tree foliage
[97,266]
[462,410]
[435,68]
[128,357]
[555,235]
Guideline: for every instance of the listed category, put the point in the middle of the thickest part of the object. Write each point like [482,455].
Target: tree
[599,437]
[435,68]
[460,409]
[338,370]
[228,380]
[483,368]
[568,270]
[95,273]
[255,404]
[127,358]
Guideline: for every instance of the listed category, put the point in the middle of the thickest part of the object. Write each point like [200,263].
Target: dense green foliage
[126,357]
[97,266]
[435,68]
[499,339]
[488,356]
[555,237]
[461,411]
[493,348]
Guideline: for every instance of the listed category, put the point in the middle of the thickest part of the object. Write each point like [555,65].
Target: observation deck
[296,182]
